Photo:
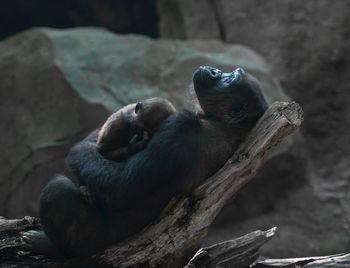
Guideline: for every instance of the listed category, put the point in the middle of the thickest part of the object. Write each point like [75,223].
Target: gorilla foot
[41,244]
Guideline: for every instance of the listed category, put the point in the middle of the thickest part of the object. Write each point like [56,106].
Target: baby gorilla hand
[140,137]
[138,142]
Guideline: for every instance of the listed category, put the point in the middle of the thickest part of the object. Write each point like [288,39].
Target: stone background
[57,85]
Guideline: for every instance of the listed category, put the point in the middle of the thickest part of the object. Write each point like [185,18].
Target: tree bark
[334,261]
[239,252]
[173,239]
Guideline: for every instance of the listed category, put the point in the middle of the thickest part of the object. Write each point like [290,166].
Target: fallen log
[242,251]
[178,233]
[334,261]
[239,252]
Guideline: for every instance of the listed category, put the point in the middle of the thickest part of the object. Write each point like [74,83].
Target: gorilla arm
[84,159]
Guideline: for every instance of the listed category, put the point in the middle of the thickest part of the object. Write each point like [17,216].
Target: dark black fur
[187,148]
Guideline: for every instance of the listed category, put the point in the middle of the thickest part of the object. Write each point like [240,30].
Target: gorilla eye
[238,111]
[138,107]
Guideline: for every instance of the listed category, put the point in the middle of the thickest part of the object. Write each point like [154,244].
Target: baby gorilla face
[149,114]
[238,93]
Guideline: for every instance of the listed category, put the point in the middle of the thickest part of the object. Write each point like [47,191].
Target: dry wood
[173,239]
[242,251]
[239,252]
[334,261]
[13,251]
[16,225]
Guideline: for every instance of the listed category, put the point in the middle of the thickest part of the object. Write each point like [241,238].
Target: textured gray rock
[57,85]
[41,115]
[182,19]
[308,46]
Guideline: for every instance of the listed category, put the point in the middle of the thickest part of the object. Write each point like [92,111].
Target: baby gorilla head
[238,92]
[128,130]
[150,113]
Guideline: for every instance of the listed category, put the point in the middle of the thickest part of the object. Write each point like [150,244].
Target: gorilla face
[234,97]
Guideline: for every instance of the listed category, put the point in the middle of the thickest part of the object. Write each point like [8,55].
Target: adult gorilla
[187,148]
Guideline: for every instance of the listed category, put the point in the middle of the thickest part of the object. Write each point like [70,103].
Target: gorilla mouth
[233,77]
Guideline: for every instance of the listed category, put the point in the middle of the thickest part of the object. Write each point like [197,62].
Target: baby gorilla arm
[136,144]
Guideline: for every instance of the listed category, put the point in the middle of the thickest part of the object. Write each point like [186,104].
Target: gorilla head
[239,94]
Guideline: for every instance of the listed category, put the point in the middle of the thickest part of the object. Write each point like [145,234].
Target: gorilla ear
[138,107]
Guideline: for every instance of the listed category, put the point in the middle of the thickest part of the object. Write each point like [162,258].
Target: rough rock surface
[308,46]
[56,86]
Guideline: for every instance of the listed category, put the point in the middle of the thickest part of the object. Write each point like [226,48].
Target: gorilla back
[187,148]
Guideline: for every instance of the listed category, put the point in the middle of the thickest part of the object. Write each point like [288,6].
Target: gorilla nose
[207,71]
[206,76]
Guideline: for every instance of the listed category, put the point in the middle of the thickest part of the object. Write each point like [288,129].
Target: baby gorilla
[128,130]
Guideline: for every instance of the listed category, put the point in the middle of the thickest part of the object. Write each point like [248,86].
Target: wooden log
[334,261]
[14,252]
[243,252]
[239,252]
